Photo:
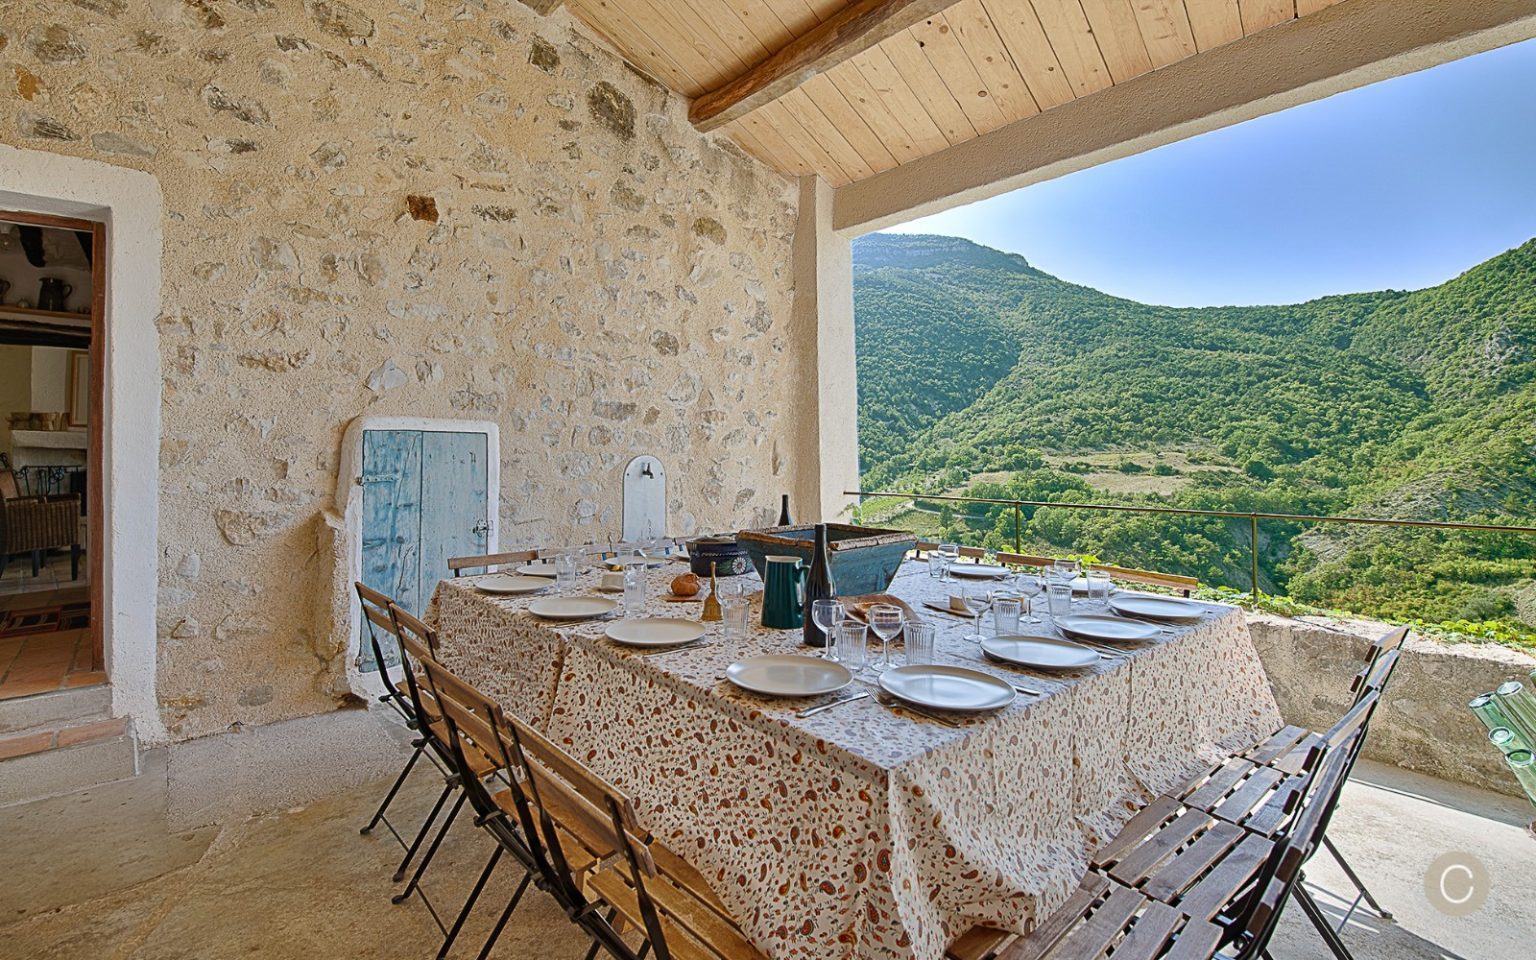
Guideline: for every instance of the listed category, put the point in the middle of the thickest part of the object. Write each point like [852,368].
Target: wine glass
[1065,570]
[885,620]
[828,615]
[978,599]
[1029,588]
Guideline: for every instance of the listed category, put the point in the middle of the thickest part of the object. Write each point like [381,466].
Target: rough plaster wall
[600,279]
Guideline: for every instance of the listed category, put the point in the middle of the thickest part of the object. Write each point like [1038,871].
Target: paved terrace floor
[98,875]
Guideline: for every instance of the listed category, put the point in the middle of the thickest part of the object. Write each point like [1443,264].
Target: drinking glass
[937,563]
[1029,589]
[736,611]
[951,553]
[565,570]
[1065,570]
[1098,586]
[1005,615]
[919,640]
[885,620]
[827,614]
[977,600]
[1059,597]
[634,588]
[851,638]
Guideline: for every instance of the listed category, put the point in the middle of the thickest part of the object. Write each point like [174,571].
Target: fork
[892,703]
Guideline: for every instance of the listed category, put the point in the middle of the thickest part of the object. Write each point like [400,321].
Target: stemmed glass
[1066,570]
[1029,588]
[828,615]
[978,600]
[885,620]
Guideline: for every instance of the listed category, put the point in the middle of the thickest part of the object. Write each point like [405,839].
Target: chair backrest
[1170,581]
[1388,643]
[467,717]
[1322,784]
[417,642]
[456,565]
[1023,560]
[375,607]
[574,805]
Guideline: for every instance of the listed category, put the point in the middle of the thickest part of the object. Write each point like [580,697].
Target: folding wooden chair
[457,565]
[397,695]
[1023,560]
[472,720]
[1151,578]
[610,872]
[419,642]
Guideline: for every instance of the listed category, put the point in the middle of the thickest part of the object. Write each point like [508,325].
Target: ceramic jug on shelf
[53,293]
[783,580]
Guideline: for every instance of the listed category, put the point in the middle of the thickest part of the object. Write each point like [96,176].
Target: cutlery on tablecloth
[1107,652]
[1006,666]
[895,703]
[812,711]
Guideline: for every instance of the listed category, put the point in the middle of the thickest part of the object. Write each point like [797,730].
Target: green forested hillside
[1413,405]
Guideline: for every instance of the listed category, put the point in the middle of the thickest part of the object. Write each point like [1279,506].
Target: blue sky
[1402,184]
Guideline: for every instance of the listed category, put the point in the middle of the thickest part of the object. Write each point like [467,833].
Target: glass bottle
[784,520]
[1507,740]
[1488,710]
[1524,768]
[1519,708]
[818,586]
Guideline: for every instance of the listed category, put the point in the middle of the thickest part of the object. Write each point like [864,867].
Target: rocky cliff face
[416,207]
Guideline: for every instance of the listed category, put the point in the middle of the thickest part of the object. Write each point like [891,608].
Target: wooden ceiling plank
[903,101]
[819,127]
[1119,37]
[979,39]
[610,21]
[847,118]
[1165,30]
[1022,36]
[730,23]
[1067,28]
[941,46]
[1306,7]
[876,111]
[906,54]
[1214,22]
[785,156]
[859,26]
[748,141]
[796,15]
[820,161]
[661,18]
[1263,14]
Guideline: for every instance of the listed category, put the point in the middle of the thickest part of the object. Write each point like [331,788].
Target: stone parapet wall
[1424,724]
[420,208]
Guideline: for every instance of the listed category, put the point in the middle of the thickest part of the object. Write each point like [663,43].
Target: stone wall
[1423,723]
[413,207]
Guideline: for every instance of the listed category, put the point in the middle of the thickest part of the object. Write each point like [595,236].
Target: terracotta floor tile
[26,688]
[21,746]
[104,730]
[84,678]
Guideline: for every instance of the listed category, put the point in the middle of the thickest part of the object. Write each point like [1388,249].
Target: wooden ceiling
[848,88]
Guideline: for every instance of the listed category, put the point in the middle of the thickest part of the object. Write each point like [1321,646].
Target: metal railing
[1253,518]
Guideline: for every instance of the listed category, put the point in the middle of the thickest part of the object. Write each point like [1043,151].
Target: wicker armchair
[32,525]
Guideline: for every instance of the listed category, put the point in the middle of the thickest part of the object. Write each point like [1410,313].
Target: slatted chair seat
[1258,798]
[1106,919]
[694,931]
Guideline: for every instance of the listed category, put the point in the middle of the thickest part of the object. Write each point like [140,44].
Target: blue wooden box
[864,559]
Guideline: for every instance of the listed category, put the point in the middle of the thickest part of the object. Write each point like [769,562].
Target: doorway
[52,296]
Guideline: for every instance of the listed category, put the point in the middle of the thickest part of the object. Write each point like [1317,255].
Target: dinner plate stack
[1152,607]
[940,687]
[1040,653]
[788,675]
[1105,629]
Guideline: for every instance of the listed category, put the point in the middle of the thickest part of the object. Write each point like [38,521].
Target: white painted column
[823,315]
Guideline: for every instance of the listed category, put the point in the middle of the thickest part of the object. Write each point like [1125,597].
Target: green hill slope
[1417,405]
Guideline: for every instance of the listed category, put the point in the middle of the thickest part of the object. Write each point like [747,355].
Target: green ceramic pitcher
[783,583]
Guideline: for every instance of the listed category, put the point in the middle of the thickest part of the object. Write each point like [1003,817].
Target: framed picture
[79,388]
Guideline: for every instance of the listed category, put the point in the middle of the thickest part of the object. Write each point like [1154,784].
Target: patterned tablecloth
[863,831]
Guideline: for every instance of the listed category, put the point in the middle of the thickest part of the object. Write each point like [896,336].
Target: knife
[811,711]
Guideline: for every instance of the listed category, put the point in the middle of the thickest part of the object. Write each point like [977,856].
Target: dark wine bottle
[818,586]
[784,520]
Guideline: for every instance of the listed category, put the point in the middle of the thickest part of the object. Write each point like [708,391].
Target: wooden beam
[846,34]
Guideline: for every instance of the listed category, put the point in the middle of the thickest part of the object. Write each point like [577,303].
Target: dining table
[867,830]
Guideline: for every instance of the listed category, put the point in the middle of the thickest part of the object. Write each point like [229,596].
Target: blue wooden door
[424,501]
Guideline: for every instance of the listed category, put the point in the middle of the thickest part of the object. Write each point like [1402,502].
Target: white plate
[1046,653]
[1094,627]
[571,608]
[505,583]
[654,632]
[979,571]
[788,675]
[1155,607]
[947,688]
[538,568]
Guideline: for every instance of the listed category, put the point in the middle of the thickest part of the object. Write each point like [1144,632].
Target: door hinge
[375,479]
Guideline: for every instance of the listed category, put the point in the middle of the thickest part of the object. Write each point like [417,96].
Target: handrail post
[1018,527]
[1253,553]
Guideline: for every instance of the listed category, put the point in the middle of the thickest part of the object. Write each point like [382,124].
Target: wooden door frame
[95,430]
